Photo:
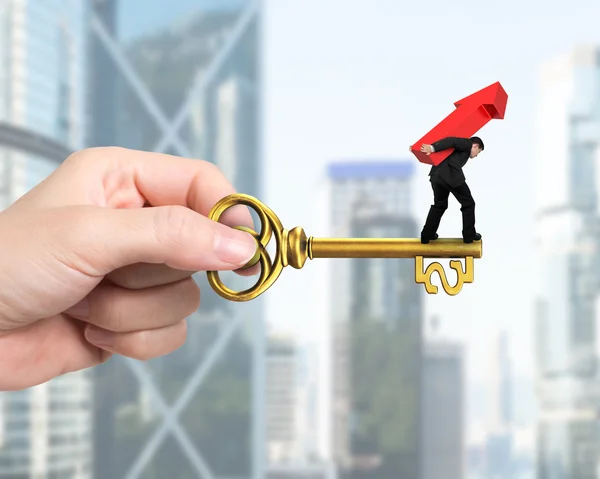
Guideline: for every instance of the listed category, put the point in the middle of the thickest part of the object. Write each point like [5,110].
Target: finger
[146,275]
[43,350]
[125,310]
[131,178]
[172,235]
[141,345]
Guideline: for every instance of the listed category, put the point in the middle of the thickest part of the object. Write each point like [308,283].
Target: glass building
[185,81]
[567,206]
[376,318]
[46,430]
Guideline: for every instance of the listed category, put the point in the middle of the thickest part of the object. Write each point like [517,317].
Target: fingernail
[80,310]
[235,247]
[99,337]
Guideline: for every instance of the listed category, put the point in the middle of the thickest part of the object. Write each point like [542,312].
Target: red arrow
[471,114]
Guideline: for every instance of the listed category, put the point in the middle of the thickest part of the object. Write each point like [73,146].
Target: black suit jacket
[451,168]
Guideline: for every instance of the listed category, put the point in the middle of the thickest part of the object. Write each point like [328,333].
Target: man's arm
[459,144]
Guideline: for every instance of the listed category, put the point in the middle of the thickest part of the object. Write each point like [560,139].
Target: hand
[86,271]
[427,149]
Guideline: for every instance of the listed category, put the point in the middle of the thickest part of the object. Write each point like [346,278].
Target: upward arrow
[472,113]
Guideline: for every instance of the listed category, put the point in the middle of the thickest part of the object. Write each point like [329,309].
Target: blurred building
[308,402]
[443,410]
[185,81]
[566,243]
[46,430]
[282,400]
[500,385]
[499,440]
[375,313]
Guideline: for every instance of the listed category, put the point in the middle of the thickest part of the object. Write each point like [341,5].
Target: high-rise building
[499,441]
[282,400]
[46,430]
[443,412]
[375,313]
[185,81]
[500,385]
[566,244]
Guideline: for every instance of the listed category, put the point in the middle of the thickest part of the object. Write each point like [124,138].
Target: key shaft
[391,248]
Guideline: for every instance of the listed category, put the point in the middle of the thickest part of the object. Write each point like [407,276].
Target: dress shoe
[477,237]
[425,240]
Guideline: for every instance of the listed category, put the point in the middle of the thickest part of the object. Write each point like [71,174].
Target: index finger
[130,178]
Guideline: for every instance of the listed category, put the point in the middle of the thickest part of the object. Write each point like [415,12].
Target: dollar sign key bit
[293,248]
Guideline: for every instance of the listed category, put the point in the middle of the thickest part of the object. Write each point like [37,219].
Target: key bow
[292,247]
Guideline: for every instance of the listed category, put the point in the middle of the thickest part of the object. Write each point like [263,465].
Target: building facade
[282,401]
[46,430]
[444,386]
[375,313]
[187,82]
[566,244]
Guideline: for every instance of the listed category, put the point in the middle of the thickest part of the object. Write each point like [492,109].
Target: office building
[187,82]
[282,400]
[566,243]
[443,403]
[500,385]
[499,441]
[45,430]
[375,313]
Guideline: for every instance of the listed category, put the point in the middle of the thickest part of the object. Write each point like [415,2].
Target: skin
[87,271]
[428,150]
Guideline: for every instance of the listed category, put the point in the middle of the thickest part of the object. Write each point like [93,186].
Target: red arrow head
[492,98]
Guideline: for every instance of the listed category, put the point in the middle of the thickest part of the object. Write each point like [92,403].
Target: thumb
[105,239]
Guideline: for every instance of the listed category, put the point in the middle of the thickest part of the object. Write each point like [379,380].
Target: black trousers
[441,192]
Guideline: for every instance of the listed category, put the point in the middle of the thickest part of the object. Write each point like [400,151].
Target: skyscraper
[186,81]
[567,276]
[282,407]
[443,411]
[500,385]
[499,443]
[375,312]
[46,430]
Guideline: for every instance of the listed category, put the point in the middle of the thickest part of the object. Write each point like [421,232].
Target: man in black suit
[448,177]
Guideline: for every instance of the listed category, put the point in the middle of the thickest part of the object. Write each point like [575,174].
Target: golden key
[294,248]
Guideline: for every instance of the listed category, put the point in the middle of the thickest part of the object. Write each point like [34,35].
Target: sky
[357,79]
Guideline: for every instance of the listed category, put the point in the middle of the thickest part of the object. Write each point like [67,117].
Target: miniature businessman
[448,177]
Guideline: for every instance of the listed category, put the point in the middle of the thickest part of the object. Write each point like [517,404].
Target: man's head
[477,146]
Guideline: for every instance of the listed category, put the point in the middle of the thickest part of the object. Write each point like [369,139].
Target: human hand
[86,271]
[427,149]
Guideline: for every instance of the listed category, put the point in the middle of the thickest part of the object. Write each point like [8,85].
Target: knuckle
[94,156]
[180,335]
[190,296]
[210,167]
[113,313]
[76,157]
[141,346]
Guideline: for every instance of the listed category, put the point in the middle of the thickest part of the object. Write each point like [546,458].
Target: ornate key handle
[294,248]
